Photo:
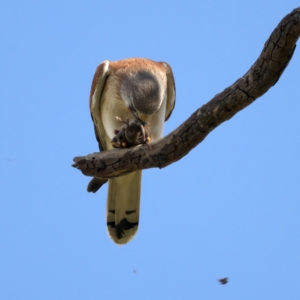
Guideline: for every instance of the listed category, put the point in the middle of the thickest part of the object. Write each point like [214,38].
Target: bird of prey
[130,89]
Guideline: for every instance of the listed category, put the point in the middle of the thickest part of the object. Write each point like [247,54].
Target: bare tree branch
[264,74]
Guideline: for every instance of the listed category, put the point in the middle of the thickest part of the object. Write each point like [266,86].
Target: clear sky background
[231,207]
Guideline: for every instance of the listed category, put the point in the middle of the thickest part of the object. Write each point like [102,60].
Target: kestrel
[129,89]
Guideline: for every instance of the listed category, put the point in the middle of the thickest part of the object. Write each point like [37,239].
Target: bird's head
[143,93]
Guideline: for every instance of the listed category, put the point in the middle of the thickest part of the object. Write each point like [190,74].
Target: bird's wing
[171,90]
[97,88]
[98,84]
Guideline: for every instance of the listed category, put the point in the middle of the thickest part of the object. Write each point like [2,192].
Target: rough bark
[264,73]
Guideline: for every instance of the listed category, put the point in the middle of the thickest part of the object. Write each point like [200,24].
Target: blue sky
[229,208]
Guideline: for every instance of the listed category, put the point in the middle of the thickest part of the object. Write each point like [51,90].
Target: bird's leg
[146,139]
[148,143]
[143,132]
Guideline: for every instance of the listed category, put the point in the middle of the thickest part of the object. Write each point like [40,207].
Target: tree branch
[264,74]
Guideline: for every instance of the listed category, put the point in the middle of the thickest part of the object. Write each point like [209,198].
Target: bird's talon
[148,143]
[115,144]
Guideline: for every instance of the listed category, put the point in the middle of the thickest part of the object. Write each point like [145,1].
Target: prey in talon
[119,140]
[132,134]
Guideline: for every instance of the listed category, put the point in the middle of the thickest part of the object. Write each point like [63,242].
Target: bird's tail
[123,206]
